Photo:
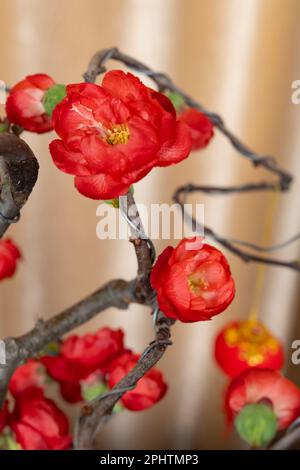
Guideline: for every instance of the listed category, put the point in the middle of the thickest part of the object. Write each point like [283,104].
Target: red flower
[193,281]
[9,254]
[200,127]
[4,416]
[39,424]
[264,386]
[247,344]
[80,356]
[24,105]
[26,377]
[150,389]
[114,134]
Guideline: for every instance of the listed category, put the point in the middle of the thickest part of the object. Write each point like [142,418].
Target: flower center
[253,340]
[197,284]
[118,134]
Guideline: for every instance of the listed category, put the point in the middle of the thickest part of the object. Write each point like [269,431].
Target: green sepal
[176,99]
[53,96]
[256,423]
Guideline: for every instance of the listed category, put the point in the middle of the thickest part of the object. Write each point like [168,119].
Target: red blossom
[80,356]
[247,344]
[113,135]
[200,127]
[9,255]
[39,424]
[150,389]
[25,378]
[4,416]
[257,385]
[24,105]
[193,281]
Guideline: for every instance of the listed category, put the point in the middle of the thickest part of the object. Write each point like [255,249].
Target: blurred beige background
[238,58]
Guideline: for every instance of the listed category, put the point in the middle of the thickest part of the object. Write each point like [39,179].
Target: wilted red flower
[80,356]
[4,415]
[9,255]
[39,424]
[114,134]
[24,105]
[150,389]
[247,344]
[257,385]
[193,281]
[200,127]
[26,377]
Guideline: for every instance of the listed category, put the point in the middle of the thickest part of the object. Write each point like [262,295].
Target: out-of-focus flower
[80,356]
[113,135]
[26,377]
[31,101]
[266,387]
[4,415]
[193,281]
[150,389]
[199,125]
[39,424]
[9,255]
[247,344]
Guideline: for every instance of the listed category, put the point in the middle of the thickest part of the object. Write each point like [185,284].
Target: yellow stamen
[253,340]
[119,134]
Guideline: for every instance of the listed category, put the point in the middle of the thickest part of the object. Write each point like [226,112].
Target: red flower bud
[193,281]
[113,135]
[24,105]
[39,424]
[9,254]
[150,389]
[247,344]
[200,127]
[257,385]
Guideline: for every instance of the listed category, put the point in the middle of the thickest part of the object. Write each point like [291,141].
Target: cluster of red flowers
[84,366]
[259,399]
[110,135]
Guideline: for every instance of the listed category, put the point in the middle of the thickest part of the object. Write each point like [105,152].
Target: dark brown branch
[18,174]
[143,246]
[180,198]
[117,293]
[95,414]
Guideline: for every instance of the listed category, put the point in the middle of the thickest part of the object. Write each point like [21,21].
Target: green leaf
[176,99]
[257,424]
[90,392]
[53,96]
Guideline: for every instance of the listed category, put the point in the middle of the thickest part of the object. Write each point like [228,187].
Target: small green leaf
[53,96]
[90,392]
[176,99]
[256,424]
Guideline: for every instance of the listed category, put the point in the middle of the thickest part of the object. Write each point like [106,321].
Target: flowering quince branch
[165,84]
[102,143]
